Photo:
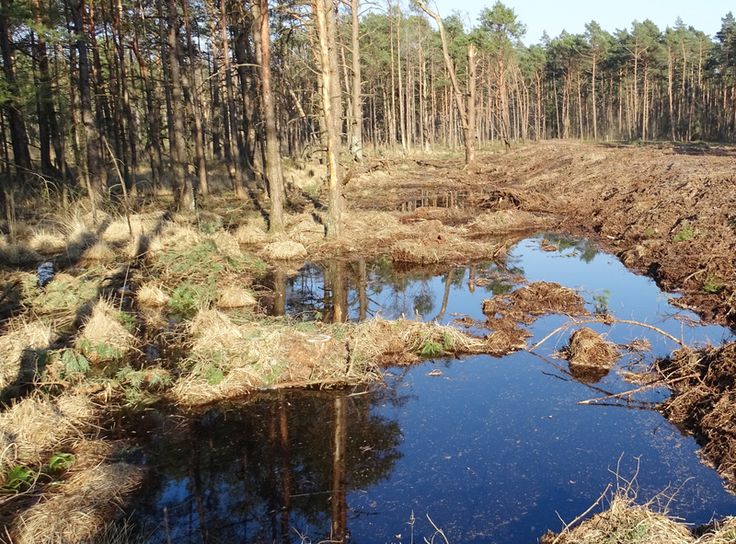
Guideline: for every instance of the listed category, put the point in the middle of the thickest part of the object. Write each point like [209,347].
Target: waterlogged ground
[491,449]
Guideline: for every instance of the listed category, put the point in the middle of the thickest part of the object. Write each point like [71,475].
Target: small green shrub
[649,233]
[448,342]
[686,233]
[430,349]
[60,462]
[712,285]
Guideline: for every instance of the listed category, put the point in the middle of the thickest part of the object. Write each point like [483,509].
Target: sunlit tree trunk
[274,176]
[334,206]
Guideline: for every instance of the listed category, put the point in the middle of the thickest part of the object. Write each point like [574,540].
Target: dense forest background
[105,95]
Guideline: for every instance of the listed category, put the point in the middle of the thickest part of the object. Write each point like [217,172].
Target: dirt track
[666,211]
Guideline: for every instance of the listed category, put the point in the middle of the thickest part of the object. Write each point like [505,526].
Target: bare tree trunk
[93,164]
[183,193]
[356,134]
[236,175]
[334,206]
[274,175]
[462,112]
[194,107]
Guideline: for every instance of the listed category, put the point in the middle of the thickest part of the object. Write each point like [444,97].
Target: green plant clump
[430,349]
[686,233]
[712,285]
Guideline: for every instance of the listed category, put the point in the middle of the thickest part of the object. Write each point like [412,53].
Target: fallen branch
[622,394]
[607,320]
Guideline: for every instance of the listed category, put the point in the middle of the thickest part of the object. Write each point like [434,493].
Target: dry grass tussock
[229,360]
[625,522]
[150,295]
[253,231]
[588,348]
[47,243]
[286,250]
[99,253]
[104,327]
[17,253]
[437,248]
[32,429]
[80,509]
[19,349]
[232,296]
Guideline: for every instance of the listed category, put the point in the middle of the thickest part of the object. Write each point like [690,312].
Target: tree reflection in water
[268,470]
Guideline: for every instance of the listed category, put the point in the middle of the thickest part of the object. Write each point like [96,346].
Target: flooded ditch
[491,449]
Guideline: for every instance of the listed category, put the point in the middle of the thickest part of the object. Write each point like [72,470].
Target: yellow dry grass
[82,506]
[588,348]
[47,243]
[34,428]
[18,349]
[235,297]
[151,295]
[103,327]
[251,234]
[100,252]
[285,250]
[625,522]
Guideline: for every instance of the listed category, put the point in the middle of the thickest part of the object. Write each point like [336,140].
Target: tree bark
[334,210]
[274,175]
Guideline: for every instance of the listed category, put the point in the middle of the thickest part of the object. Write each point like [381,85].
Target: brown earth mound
[590,357]
[703,402]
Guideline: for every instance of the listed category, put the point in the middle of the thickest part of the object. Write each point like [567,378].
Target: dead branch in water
[607,320]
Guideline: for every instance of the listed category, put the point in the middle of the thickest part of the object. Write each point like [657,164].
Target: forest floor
[172,306]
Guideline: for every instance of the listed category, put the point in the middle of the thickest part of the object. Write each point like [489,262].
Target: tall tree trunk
[356,133]
[462,112]
[334,210]
[194,108]
[236,175]
[95,184]
[18,133]
[183,192]
[274,175]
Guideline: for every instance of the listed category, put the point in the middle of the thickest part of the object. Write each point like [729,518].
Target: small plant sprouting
[686,232]
[712,285]
[60,462]
[601,301]
[430,349]
[649,233]
[74,363]
[18,477]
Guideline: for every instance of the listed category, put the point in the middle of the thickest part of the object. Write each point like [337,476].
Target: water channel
[491,449]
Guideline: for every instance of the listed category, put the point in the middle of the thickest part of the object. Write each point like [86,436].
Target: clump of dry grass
[48,243]
[232,296]
[82,506]
[19,349]
[151,295]
[441,248]
[588,348]
[253,231]
[99,253]
[34,428]
[625,522]
[103,328]
[506,221]
[285,250]
[304,229]
[19,254]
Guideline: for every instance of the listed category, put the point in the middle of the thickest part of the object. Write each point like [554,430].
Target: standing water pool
[485,449]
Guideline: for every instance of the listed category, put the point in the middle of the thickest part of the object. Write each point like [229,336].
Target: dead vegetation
[703,402]
[229,360]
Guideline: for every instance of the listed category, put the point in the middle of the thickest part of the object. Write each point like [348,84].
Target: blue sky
[571,15]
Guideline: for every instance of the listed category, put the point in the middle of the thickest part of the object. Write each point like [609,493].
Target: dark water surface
[493,450]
